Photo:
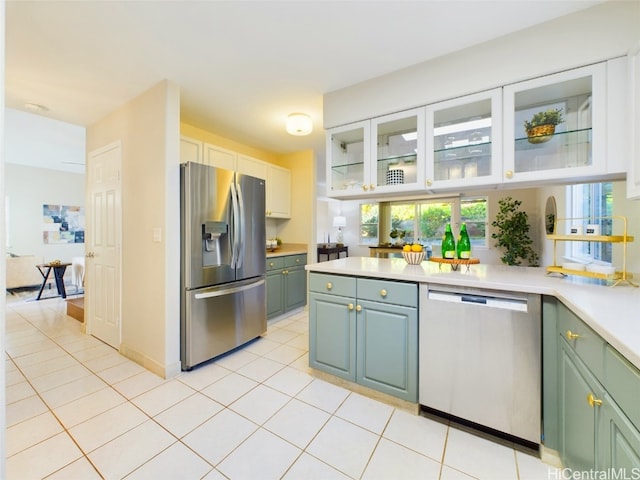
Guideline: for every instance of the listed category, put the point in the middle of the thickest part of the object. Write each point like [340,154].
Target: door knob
[90,255]
[593,401]
[350,306]
[571,336]
[359,308]
[508,174]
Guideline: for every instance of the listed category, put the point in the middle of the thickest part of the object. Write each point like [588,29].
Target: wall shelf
[619,276]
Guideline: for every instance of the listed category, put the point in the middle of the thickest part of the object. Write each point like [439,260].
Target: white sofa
[22,271]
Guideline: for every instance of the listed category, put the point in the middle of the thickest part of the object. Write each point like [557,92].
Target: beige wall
[209,137]
[148,128]
[300,228]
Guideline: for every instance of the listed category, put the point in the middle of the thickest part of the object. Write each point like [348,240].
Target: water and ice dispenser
[211,235]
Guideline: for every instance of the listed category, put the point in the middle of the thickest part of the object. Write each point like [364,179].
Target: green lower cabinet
[275,293]
[286,284]
[598,402]
[332,335]
[619,443]
[365,331]
[295,287]
[387,358]
[578,419]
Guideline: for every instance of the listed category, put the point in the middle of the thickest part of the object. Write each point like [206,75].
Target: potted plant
[512,234]
[542,125]
[397,235]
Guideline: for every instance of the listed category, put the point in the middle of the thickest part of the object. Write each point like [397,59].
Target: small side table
[58,273]
[332,249]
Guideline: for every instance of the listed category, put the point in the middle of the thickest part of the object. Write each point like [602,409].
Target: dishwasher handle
[492,301]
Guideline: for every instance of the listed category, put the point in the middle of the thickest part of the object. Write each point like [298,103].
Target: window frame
[456,215]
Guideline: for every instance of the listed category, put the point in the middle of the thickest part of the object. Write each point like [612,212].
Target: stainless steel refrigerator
[223,261]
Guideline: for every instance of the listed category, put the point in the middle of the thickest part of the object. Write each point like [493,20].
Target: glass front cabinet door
[348,159]
[464,141]
[555,126]
[397,152]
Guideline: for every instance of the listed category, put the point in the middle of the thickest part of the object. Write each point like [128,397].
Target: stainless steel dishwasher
[480,358]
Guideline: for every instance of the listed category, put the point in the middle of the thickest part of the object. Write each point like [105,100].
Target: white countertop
[613,312]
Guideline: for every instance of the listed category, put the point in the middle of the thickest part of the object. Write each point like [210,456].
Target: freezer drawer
[218,319]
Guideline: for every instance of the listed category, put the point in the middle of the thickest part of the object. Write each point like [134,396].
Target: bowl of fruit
[413,254]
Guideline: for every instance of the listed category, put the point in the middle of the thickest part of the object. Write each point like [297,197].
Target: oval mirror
[550,215]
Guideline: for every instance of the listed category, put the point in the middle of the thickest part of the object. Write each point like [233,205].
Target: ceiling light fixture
[299,124]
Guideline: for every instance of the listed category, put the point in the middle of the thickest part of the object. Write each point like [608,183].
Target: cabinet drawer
[334,284]
[295,260]
[275,263]
[587,344]
[622,381]
[397,293]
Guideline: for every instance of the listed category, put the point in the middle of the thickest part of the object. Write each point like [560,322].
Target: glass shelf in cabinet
[577,137]
[341,166]
[463,148]
[408,158]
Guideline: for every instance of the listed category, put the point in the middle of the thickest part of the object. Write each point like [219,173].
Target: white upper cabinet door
[575,147]
[633,175]
[397,152]
[251,166]
[190,150]
[219,157]
[464,141]
[278,202]
[348,160]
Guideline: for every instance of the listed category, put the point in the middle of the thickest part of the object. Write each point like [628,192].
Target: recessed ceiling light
[35,107]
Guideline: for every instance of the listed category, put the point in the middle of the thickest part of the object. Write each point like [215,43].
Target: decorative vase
[541,133]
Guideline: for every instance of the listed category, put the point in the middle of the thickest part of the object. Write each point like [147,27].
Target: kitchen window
[592,201]
[424,221]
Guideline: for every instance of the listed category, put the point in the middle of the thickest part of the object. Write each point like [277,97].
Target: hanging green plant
[512,234]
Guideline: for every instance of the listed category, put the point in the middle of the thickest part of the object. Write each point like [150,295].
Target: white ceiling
[242,66]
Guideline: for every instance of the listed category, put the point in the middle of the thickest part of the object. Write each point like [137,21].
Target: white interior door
[102,286]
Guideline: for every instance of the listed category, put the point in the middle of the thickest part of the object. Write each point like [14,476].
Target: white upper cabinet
[576,148]
[348,160]
[633,130]
[251,166]
[464,141]
[190,150]
[397,152]
[219,157]
[278,201]
[378,156]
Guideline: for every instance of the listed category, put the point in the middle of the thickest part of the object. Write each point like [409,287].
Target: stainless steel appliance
[223,261]
[480,358]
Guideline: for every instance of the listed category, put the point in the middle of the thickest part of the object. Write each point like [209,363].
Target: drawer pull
[383,293]
[329,286]
[359,308]
[271,264]
[350,306]
[297,260]
[593,401]
[571,336]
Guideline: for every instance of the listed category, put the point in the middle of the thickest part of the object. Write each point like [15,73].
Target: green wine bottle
[448,243]
[464,244]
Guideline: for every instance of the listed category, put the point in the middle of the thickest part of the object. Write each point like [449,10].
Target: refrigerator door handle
[236,226]
[227,291]
[241,229]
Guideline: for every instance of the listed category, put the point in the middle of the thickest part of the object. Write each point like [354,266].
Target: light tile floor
[76,409]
